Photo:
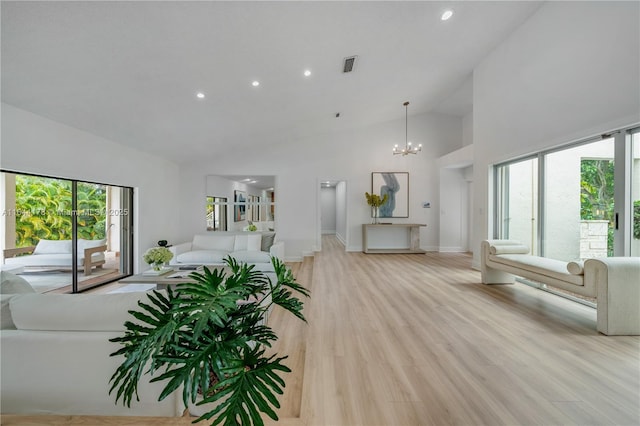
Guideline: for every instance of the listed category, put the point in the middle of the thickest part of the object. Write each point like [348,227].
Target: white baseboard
[328,232]
[452,250]
[430,248]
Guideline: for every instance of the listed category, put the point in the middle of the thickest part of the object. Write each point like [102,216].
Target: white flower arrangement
[158,256]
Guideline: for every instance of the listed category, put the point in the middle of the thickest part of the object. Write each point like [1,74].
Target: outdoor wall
[569,72]
[34,144]
[348,156]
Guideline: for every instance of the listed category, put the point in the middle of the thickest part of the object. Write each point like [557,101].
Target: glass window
[216,214]
[579,187]
[40,215]
[635,193]
[579,202]
[517,207]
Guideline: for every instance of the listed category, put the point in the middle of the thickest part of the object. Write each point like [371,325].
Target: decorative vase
[156,266]
[375,215]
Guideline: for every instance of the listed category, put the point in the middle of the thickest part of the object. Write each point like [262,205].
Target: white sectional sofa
[613,281]
[212,248]
[57,253]
[54,356]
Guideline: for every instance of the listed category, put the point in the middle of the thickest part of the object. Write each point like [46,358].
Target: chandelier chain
[408,148]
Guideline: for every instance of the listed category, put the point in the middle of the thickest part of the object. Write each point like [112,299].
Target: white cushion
[74,312]
[213,242]
[202,257]
[6,322]
[540,265]
[251,256]
[12,284]
[53,247]
[249,242]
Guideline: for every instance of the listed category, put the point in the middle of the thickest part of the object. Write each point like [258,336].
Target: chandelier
[408,148]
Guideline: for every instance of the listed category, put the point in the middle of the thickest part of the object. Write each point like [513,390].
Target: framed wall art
[240,206]
[396,186]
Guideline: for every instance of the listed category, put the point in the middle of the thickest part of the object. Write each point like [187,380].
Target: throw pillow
[576,268]
[250,242]
[267,240]
[509,249]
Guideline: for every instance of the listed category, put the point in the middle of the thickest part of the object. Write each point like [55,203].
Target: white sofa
[212,248]
[57,253]
[55,359]
[613,281]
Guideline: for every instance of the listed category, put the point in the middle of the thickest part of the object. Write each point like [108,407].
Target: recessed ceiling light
[307,73]
[255,83]
[446,15]
[200,95]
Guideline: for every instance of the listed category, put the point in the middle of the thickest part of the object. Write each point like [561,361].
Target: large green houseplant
[209,338]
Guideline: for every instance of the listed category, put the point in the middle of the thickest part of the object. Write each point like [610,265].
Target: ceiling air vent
[349,63]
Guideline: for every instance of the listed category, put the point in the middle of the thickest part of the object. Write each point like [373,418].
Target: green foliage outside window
[43,210]
[596,194]
[636,219]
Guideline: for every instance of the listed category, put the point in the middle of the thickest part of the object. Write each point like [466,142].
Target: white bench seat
[613,281]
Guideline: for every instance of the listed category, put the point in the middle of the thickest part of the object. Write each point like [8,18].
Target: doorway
[332,211]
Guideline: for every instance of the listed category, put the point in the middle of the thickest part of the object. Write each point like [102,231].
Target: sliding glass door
[573,203]
[579,201]
[65,235]
[634,137]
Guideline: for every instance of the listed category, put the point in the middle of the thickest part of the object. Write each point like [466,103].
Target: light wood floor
[417,340]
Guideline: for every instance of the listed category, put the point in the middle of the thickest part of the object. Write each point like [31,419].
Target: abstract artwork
[396,186]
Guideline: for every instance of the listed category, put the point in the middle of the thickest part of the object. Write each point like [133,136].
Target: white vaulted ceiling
[130,71]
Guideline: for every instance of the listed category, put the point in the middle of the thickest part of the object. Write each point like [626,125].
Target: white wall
[569,72]
[454,207]
[341,212]
[351,156]
[328,210]
[34,144]
[467,129]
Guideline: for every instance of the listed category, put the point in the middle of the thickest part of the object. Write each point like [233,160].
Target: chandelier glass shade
[408,147]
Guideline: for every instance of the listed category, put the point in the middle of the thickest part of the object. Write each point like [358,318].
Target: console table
[391,238]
